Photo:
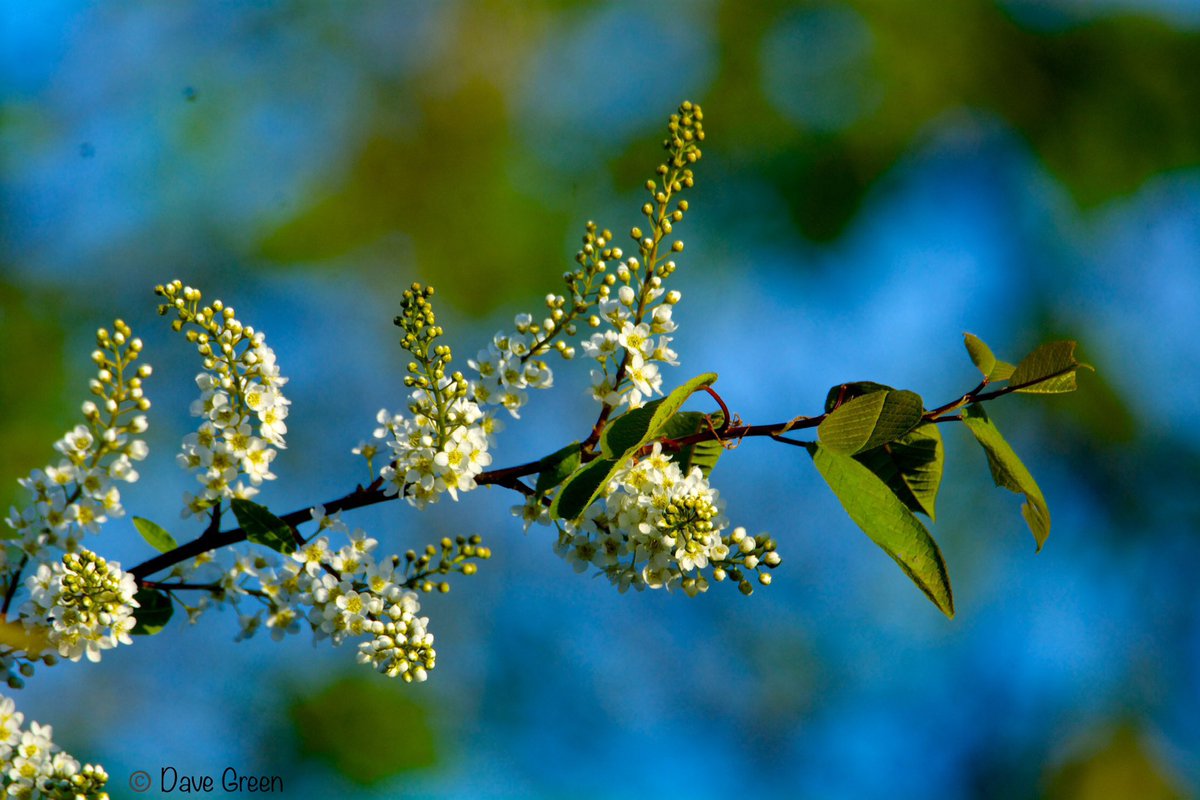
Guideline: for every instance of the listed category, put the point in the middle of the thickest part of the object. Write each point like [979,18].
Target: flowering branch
[632,500]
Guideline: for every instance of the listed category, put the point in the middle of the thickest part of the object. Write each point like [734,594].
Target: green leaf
[870,420]
[980,353]
[849,391]
[888,522]
[628,431]
[263,527]
[637,428]
[155,535]
[557,467]
[1050,369]
[702,454]
[584,486]
[911,466]
[1008,471]
[153,611]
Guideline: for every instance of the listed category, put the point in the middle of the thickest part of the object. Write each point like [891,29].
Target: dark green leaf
[584,486]
[849,391]
[702,454]
[870,420]
[153,611]
[889,523]
[263,527]
[911,466]
[628,431]
[637,428]
[557,467]
[155,535]
[1008,471]
[1050,369]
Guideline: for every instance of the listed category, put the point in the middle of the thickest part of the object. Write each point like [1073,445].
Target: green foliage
[1050,369]
[262,527]
[701,454]
[981,355]
[153,612]
[869,421]
[642,426]
[911,466]
[889,523]
[330,724]
[1008,471]
[583,487]
[557,467]
[155,535]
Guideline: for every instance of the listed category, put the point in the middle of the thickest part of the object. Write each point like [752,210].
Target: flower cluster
[240,403]
[78,494]
[32,766]
[348,593]
[658,527]
[442,444]
[74,497]
[83,604]
[627,352]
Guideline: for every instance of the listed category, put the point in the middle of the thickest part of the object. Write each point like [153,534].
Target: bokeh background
[879,177]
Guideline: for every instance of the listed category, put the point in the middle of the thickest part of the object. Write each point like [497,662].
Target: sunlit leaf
[888,522]
[639,427]
[870,420]
[1008,471]
[1050,369]
[155,535]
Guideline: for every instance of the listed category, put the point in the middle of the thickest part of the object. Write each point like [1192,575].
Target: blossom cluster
[242,409]
[71,498]
[658,527]
[78,494]
[442,443]
[347,592]
[82,604]
[32,766]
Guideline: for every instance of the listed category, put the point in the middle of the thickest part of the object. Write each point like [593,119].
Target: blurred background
[879,176]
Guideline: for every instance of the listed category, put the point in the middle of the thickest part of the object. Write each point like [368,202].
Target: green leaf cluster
[881,453]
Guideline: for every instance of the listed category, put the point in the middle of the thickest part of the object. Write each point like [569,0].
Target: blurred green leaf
[262,527]
[911,466]
[33,345]
[888,522]
[1008,472]
[870,420]
[557,467]
[153,612]
[155,535]
[1122,768]
[366,727]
